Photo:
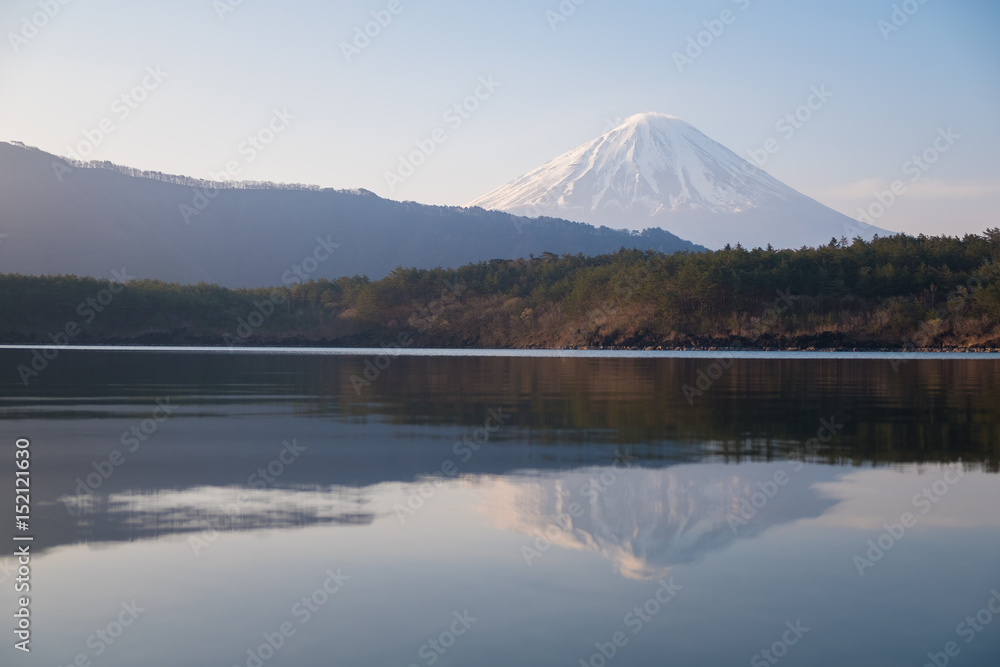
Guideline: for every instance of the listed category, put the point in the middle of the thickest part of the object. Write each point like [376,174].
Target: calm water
[287,509]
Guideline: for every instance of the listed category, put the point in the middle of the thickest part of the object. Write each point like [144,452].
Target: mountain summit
[656,170]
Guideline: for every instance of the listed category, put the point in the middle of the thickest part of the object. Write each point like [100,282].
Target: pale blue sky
[558,89]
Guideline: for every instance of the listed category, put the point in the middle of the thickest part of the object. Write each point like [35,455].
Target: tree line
[899,292]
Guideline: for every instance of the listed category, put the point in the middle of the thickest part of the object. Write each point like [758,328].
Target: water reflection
[921,410]
[698,499]
[138,515]
[642,520]
[646,521]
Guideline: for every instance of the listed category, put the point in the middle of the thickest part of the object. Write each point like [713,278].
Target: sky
[340,94]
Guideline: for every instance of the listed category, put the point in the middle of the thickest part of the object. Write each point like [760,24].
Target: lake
[301,508]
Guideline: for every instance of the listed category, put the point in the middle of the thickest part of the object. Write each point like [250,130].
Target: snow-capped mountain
[656,170]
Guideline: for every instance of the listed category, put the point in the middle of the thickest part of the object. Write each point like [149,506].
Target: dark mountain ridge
[61,217]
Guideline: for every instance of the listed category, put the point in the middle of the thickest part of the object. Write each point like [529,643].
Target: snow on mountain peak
[651,163]
[658,170]
[650,117]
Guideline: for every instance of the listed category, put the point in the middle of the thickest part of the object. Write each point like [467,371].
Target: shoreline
[402,339]
[364,348]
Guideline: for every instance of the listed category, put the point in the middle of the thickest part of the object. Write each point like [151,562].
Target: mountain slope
[61,218]
[657,170]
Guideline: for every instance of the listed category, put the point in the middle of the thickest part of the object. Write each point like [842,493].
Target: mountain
[58,217]
[656,170]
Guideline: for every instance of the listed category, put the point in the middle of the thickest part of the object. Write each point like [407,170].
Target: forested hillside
[892,293]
